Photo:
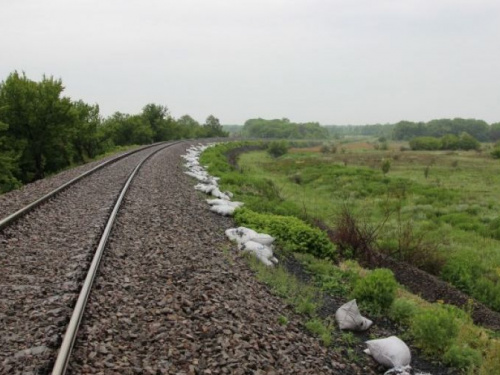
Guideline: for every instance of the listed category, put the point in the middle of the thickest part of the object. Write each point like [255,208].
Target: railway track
[45,248]
[166,299]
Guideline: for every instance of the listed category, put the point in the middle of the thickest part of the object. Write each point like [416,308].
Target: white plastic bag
[218,201]
[262,252]
[205,188]
[390,352]
[223,209]
[349,317]
[242,235]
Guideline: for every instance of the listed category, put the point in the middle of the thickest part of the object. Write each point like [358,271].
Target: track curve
[43,257]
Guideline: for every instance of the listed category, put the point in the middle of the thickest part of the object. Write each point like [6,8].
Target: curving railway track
[45,250]
[166,298]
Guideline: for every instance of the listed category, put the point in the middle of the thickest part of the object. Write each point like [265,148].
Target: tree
[386,166]
[41,123]
[7,163]
[495,132]
[277,148]
[188,127]
[85,139]
[468,142]
[213,128]
[160,121]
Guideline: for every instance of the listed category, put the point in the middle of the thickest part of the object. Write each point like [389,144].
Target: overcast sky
[332,61]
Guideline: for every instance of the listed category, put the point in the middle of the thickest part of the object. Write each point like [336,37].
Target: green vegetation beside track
[438,210]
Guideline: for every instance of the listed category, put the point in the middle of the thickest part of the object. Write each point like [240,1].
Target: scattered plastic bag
[224,210]
[205,188]
[218,202]
[349,317]
[262,252]
[242,235]
[390,352]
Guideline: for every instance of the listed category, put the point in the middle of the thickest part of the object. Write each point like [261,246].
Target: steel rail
[6,221]
[64,354]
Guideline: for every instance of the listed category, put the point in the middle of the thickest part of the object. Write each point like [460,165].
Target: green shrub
[291,233]
[425,143]
[377,291]
[403,310]
[496,153]
[277,148]
[434,330]
[462,357]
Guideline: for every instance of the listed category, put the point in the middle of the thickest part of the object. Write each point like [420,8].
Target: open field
[416,211]
[449,200]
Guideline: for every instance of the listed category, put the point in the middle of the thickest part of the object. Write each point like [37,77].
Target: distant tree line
[283,129]
[376,130]
[479,129]
[42,131]
[447,142]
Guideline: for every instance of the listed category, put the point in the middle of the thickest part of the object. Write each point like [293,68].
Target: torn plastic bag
[218,202]
[223,209]
[207,189]
[262,252]
[218,194]
[349,317]
[242,235]
[390,352]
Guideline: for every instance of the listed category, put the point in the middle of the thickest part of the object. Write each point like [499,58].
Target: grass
[308,185]
[454,210]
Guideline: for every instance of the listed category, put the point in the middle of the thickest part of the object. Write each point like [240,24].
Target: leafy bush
[462,357]
[496,153]
[425,143]
[290,232]
[377,291]
[403,310]
[277,148]
[434,330]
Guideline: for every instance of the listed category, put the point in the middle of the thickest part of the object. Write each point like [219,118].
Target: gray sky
[332,61]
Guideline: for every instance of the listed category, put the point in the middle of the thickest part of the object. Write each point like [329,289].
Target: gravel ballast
[44,257]
[173,296]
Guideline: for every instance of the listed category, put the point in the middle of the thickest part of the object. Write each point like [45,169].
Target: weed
[434,330]
[318,328]
[282,320]
[377,291]
[403,310]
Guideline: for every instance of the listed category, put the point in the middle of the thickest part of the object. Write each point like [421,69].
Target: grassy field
[441,204]
[449,201]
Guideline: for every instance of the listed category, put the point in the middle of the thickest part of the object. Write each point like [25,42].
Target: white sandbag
[218,202]
[223,209]
[262,238]
[390,352]
[205,188]
[349,317]
[218,194]
[242,235]
[262,252]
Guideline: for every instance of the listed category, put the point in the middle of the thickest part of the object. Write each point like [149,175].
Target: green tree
[188,127]
[495,132]
[85,138]
[386,166]
[125,129]
[277,148]
[41,123]
[7,163]
[162,124]
[213,128]
[468,142]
